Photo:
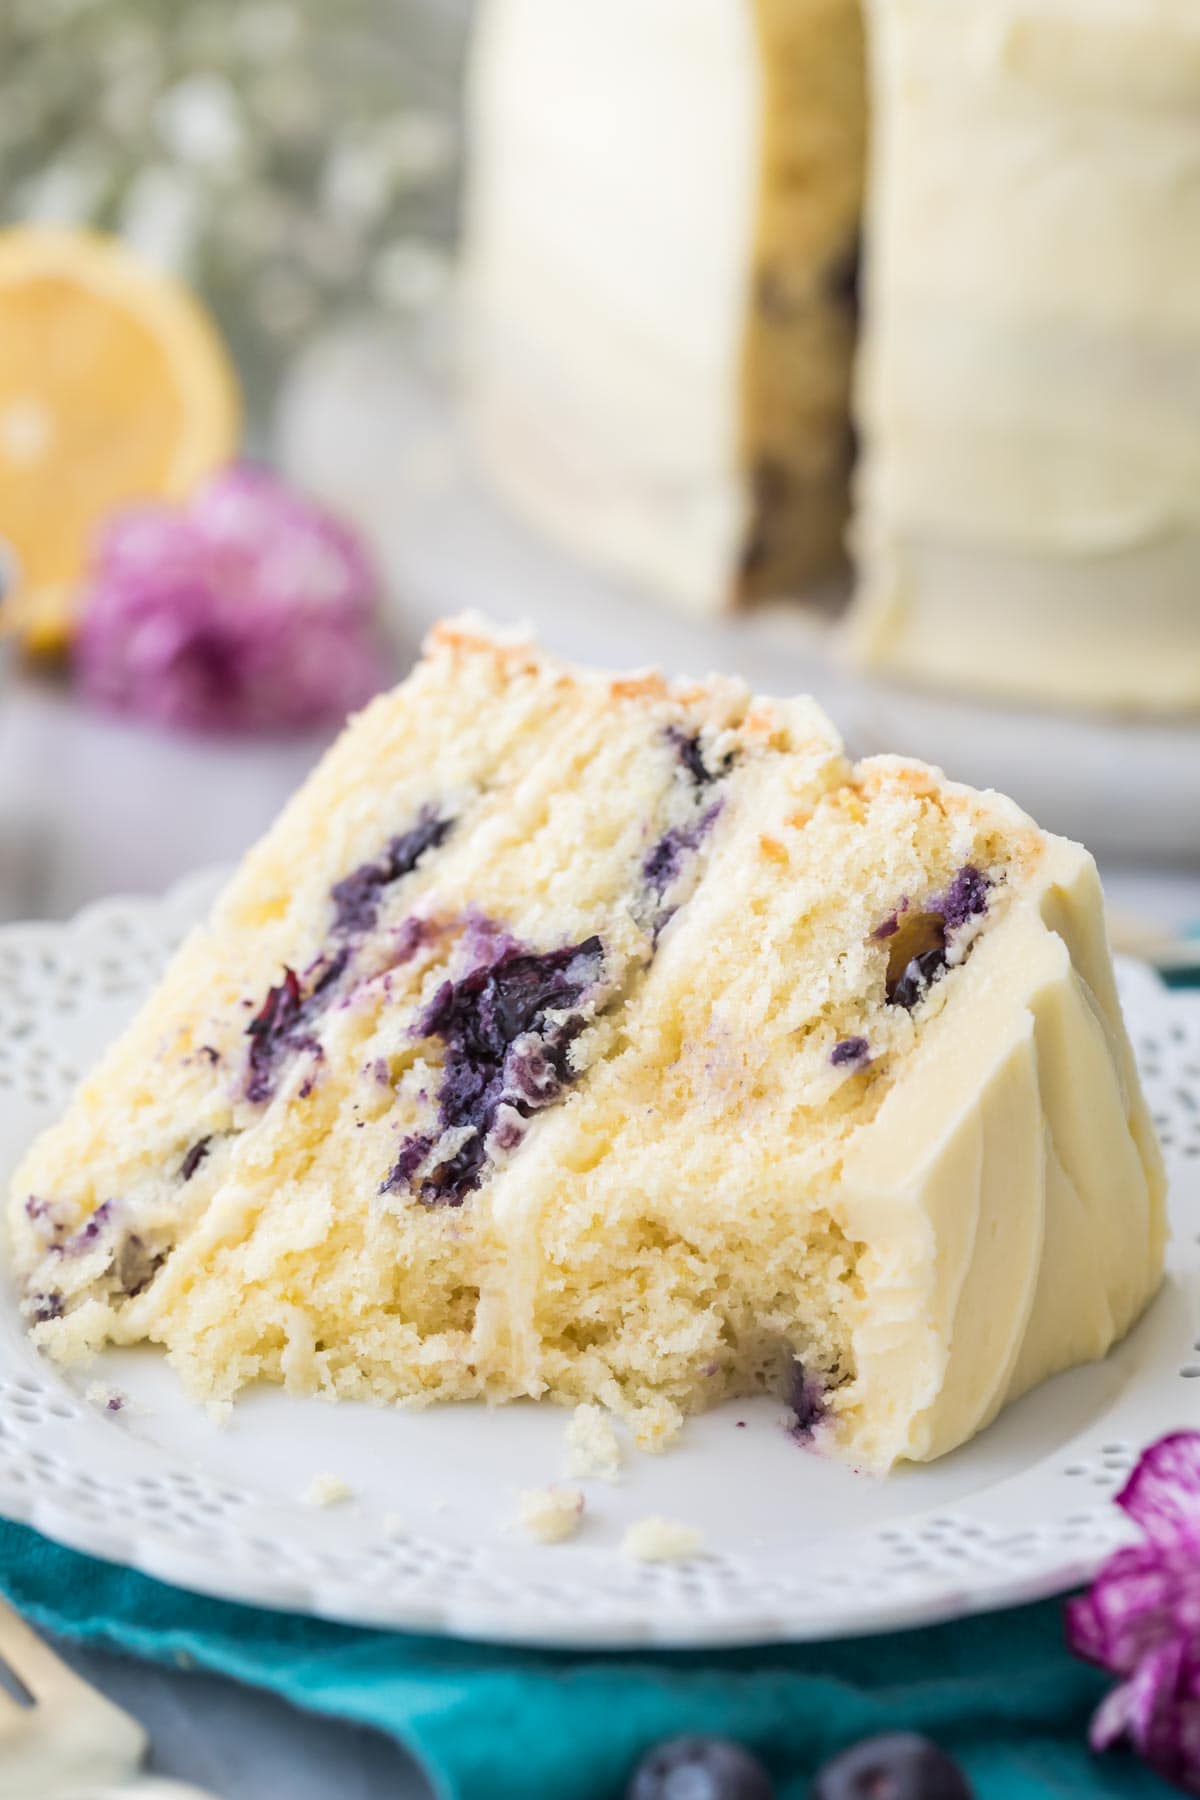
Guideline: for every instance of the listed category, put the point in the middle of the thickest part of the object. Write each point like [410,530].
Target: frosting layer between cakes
[618,1041]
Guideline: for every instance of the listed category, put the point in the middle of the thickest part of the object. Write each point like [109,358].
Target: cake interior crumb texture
[619,1042]
[327,1490]
[550,1515]
[593,1447]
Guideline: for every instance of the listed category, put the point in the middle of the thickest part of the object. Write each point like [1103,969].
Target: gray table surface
[241,1744]
[91,806]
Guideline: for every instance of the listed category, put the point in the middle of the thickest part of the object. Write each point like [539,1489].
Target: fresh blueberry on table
[898,1765]
[699,1768]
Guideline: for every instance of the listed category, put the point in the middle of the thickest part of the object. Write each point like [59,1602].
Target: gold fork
[69,1742]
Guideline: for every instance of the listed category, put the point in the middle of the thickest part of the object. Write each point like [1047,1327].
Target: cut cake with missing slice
[660,278]
[618,1041]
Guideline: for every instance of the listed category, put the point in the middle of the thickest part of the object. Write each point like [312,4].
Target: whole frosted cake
[660,277]
[618,1041]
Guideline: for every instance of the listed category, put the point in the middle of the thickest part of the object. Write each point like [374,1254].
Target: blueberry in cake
[621,1042]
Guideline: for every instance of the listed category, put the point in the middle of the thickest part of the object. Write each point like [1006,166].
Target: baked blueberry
[965,898]
[918,977]
[194,1158]
[917,951]
[806,1401]
[502,1050]
[282,1024]
[356,896]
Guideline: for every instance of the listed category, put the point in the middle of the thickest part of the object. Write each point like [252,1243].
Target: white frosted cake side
[1028,500]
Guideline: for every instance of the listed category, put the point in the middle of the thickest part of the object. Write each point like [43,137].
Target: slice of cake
[1029,505]
[620,1042]
[659,280]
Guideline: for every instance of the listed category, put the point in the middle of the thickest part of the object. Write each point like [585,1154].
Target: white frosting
[609,224]
[1010,1192]
[1029,504]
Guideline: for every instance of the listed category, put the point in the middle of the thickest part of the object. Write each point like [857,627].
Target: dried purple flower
[1141,1617]
[247,609]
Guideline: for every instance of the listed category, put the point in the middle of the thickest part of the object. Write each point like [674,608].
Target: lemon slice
[114,387]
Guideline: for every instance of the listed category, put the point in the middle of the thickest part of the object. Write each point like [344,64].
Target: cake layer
[619,1041]
[1028,504]
[662,221]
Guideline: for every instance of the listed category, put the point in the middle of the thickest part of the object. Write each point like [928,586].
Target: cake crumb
[593,1449]
[106,1399]
[550,1514]
[395,1524]
[661,1540]
[327,1490]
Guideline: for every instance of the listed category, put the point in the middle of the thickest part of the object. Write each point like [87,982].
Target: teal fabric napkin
[1190,977]
[999,1692]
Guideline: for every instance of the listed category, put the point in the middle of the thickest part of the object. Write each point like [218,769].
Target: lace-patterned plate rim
[795,1547]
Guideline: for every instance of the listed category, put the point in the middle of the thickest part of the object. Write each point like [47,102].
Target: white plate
[369,422]
[797,1547]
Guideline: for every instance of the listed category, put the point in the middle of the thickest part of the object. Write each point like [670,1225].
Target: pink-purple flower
[1141,1617]
[249,608]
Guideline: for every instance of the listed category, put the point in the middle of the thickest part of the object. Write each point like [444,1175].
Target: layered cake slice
[618,1041]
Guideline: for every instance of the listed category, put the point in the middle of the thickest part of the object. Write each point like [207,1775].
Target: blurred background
[623,318]
[570,314]
[296,168]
